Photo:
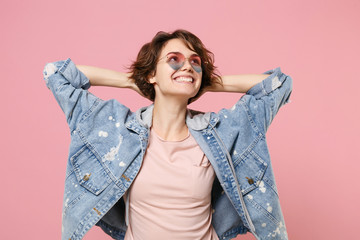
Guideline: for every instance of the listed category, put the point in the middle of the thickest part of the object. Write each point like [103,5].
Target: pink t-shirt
[171,196]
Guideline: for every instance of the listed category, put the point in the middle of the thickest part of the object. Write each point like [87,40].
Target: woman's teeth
[183,79]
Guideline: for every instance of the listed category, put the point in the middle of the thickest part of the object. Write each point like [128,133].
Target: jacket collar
[194,119]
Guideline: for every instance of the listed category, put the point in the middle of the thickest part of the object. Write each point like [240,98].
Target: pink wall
[313,141]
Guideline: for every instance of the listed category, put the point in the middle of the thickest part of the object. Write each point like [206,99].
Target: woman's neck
[169,119]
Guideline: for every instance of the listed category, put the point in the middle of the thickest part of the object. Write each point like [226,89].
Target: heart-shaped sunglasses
[176,60]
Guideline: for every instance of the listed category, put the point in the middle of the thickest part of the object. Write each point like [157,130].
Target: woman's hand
[133,86]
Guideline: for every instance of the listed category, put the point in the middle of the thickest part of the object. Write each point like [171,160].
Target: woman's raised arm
[265,93]
[109,78]
[237,83]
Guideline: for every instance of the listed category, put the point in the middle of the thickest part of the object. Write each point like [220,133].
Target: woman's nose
[187,65]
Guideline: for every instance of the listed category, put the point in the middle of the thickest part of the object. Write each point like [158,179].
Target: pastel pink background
[314,140]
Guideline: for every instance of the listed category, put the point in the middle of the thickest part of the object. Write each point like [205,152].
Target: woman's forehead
[177,45]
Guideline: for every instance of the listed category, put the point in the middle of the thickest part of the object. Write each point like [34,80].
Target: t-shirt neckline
[167,141]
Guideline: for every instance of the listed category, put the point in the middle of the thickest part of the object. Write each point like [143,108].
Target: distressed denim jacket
[108,143]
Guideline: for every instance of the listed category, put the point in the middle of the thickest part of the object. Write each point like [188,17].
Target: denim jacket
[108,143]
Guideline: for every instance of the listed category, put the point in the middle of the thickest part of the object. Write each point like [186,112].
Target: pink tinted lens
[195,62]
[177,60]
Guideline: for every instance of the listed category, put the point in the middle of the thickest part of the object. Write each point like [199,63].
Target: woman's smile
[184,79]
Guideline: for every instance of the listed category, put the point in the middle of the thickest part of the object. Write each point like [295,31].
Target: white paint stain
[263,225]
[262,187]
[250,196]
[76,185]
[277,231]
[66,202]
[275,83]
[117,124]
[121,164]
[110,117]
[110,156]
[225,116]
[235,152]
[49,70]
[269,209]
[233,108]
[103,134]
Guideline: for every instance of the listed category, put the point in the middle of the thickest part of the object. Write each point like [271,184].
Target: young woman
[166,171]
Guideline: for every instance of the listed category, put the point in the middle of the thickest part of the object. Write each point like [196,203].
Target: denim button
[86,177]
[250,180]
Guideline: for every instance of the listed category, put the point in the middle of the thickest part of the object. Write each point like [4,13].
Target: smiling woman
[167,171]
[166,46]
[174,78]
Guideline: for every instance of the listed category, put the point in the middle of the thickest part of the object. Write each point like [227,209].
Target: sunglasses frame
[178,66]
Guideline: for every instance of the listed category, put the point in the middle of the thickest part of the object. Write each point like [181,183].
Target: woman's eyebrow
[194,54]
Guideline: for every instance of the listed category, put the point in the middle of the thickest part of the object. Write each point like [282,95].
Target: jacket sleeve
[265,98]
[70,88]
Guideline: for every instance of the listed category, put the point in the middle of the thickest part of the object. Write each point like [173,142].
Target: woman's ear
[151,78]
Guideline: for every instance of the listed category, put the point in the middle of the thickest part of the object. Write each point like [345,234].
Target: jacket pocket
[250,169]
[203,176]
[89,171]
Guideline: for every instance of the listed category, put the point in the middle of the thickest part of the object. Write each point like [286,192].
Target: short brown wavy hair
[145,65]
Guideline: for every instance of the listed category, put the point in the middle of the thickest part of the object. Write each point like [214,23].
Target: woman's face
[178,71]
